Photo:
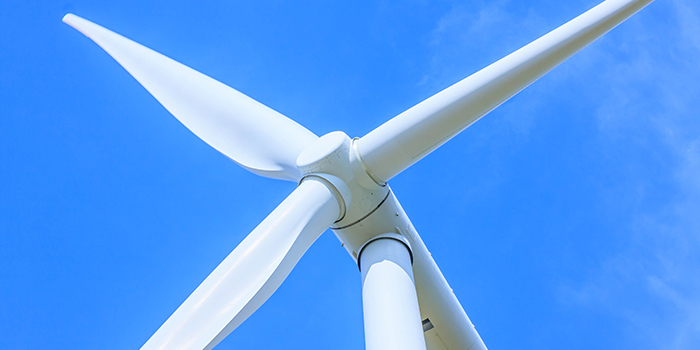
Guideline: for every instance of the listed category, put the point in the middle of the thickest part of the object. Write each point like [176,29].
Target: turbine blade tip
[68,18]
[80,24]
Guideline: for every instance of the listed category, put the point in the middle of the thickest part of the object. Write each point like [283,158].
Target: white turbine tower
[407,302]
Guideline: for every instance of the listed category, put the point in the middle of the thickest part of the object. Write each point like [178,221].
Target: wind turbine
[342,184]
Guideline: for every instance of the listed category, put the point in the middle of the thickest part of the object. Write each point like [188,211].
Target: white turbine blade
[446,325]
[410,136]
[250,133]
[251,273]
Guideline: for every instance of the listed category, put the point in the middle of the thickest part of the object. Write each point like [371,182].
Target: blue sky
[568,217]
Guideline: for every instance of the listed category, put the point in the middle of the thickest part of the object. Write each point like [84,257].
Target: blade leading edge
[251,273]
[253,135]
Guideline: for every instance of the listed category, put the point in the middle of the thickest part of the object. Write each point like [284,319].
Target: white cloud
[689,22]
[468,28]
[651,100]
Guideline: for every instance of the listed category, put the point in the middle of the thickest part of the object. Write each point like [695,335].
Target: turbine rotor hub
[334,159]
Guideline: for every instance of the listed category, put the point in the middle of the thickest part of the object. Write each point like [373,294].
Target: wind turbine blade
[251,273]
[446,325]
[250,133]
[413,134]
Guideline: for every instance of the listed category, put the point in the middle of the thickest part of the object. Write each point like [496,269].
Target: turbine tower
[342,184]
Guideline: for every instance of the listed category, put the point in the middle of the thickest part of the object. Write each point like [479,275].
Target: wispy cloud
[689,22]
[651,100]
[648,83]
[470,27]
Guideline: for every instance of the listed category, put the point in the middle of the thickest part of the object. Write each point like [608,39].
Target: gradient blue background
[567,218]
